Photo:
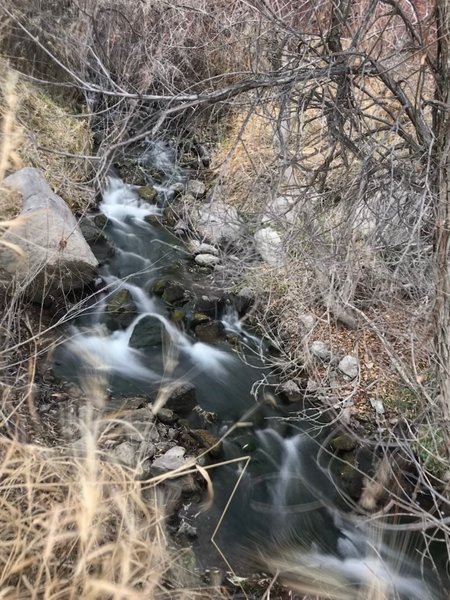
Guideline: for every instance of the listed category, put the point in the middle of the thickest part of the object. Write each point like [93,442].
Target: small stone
[196,188]
[268,245]
[207,440]
[126,454]
[173,292]
[166,415]
[172,433]
[152,219]
[207,260]
[169,461]
[148,194]
[156,174]
[177,189]
[159,287]
[210,332]
[199,248]
[377,405]
[182,399]
[120,310]
[180,227]
[101,220]
[291,390]
[177,316]
[308,321]
[343,443]
[320,350]
[349,366]
[198,318]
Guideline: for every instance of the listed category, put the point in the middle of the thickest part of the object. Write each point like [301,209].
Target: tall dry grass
[73,524]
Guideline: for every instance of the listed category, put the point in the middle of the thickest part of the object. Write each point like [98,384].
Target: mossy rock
[343,443]
[152,220]
[174,292]
[178,316]
[211,332]
[148,194]
[131,172]
[120,310]
[198,318]
[159,286]
[156,174]
[101,221]
[170,218]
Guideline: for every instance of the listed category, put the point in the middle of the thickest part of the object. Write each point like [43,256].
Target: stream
[288,508]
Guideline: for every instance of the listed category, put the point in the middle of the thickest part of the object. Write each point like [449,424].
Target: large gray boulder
[45,251]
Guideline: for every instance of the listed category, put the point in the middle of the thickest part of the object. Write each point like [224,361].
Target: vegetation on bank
[339,111]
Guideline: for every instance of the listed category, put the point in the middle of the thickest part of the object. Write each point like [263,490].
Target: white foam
[120,201]
[111,353]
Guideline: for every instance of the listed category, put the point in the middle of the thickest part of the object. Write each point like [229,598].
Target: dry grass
[245,160]
[53,136]
[82,528]
[41,131]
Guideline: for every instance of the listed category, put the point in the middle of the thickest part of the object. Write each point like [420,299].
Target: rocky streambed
[161,354]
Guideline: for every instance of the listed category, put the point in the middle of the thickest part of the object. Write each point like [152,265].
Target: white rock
[320,350]
[349,366]
[201,248]
[218,223]
[207,260]
[282,210]
[377,405]
[196,188]
[308,321]
[268,245]
[170,460]
[126,454]
[55,257]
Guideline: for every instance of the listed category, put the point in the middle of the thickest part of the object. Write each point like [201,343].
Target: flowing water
[287,507]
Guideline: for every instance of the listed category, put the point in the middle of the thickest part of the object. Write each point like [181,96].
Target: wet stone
[209,305]
[146,335]
[177,316]
[166,415]
[148,194]
[173,292]
[198,318]
[101,221]
[152,219]
[211,332]
[207,440]
[182,399]
[159,286]
[343,443]
[120,310]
